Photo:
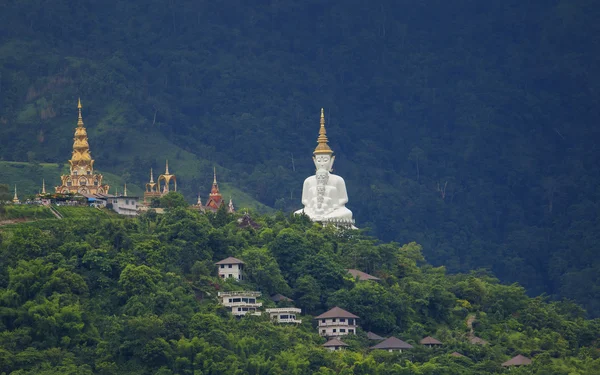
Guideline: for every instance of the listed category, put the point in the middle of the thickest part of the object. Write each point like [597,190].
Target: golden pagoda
[165,179]
[82,179]
[215,199]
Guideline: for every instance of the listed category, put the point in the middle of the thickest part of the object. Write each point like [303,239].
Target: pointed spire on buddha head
[323,154]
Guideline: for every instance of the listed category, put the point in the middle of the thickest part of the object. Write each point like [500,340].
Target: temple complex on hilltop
[82,179]
[161,187]
[215,199]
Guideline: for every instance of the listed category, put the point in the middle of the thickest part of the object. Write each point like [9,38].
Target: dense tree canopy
[138,296]
[467,126]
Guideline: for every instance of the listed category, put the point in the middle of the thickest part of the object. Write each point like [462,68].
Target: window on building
[334,330]
[231,266]
[127,201]
[342,320]
[342,330]
[252,300]
[222,266]
[323,321]
[323,331]
[239,309]
[283,316]
[351,322]
[235,300]
[222,276]
[239,277]
[230,275]
[334,320]
[350,331]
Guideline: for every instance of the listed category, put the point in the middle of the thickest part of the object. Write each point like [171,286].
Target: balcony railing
[289,320]
[242,304]
[336,324]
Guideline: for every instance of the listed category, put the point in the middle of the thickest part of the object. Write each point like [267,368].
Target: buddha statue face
[323,161]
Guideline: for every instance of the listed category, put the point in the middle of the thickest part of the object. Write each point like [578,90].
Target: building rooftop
[280,297]
[334,342]
[230,260]
[430,341]
[336,312]
[478,341]
[392,343]
[456,354]
[362,276]
[374,336]
[518,360]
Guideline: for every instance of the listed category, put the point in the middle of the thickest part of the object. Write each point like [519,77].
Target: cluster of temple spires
[324,194]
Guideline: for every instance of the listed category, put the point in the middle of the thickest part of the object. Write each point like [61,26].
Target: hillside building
[337,322]
[430,342]
[230,268]
[362,276]
[241,302]
[393,344]
[215,199]
[517,361]
[81,178]
[284,315]
[335,344]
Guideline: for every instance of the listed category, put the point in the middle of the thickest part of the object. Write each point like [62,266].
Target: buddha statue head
[323,154]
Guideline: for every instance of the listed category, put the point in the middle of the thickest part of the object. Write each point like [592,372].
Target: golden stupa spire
[43,186]
[151,176]
[125,191]
[15,198]
[322,146]
[214,175]
[167,167]
[80,119]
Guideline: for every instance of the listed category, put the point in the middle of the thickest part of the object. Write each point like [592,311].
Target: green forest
[108,295]
[469,127]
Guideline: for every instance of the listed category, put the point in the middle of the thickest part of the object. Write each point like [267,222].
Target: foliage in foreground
[138,296]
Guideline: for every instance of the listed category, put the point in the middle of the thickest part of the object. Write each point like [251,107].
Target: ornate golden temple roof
[322,146]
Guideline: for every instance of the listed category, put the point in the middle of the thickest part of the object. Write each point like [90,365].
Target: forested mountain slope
[138,296]
[467,126]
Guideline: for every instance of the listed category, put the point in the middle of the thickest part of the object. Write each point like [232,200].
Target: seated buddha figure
[324,194]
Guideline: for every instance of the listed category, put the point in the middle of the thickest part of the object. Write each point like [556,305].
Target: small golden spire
[15,198]
[151,176]
[322,146]
[167,167]
[125,191]
[214,175]
[43,186]
[80,119]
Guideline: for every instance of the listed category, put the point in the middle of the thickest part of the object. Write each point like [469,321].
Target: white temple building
[324,194]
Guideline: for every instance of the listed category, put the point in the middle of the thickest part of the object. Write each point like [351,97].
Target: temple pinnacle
[79,119]
[214,175]
[125,191]
[322,146]
[43,186]
[151,176]
[167,167]
[15,198]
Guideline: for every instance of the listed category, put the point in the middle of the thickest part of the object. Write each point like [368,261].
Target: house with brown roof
[393,344]
[430,342]
[456,354]
[362,276]
[517,361]
[230,268]
[335,344]
[337,322]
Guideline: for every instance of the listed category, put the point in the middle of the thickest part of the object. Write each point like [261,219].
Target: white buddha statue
[324,195]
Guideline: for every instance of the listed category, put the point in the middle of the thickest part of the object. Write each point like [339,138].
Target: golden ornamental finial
[167,167]
[80,119]
[322,146]
[215,175]
[151,176]
[43,186]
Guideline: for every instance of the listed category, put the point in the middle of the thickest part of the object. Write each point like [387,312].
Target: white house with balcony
[241,302]
[230,268]
[284,315]
[337,322]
